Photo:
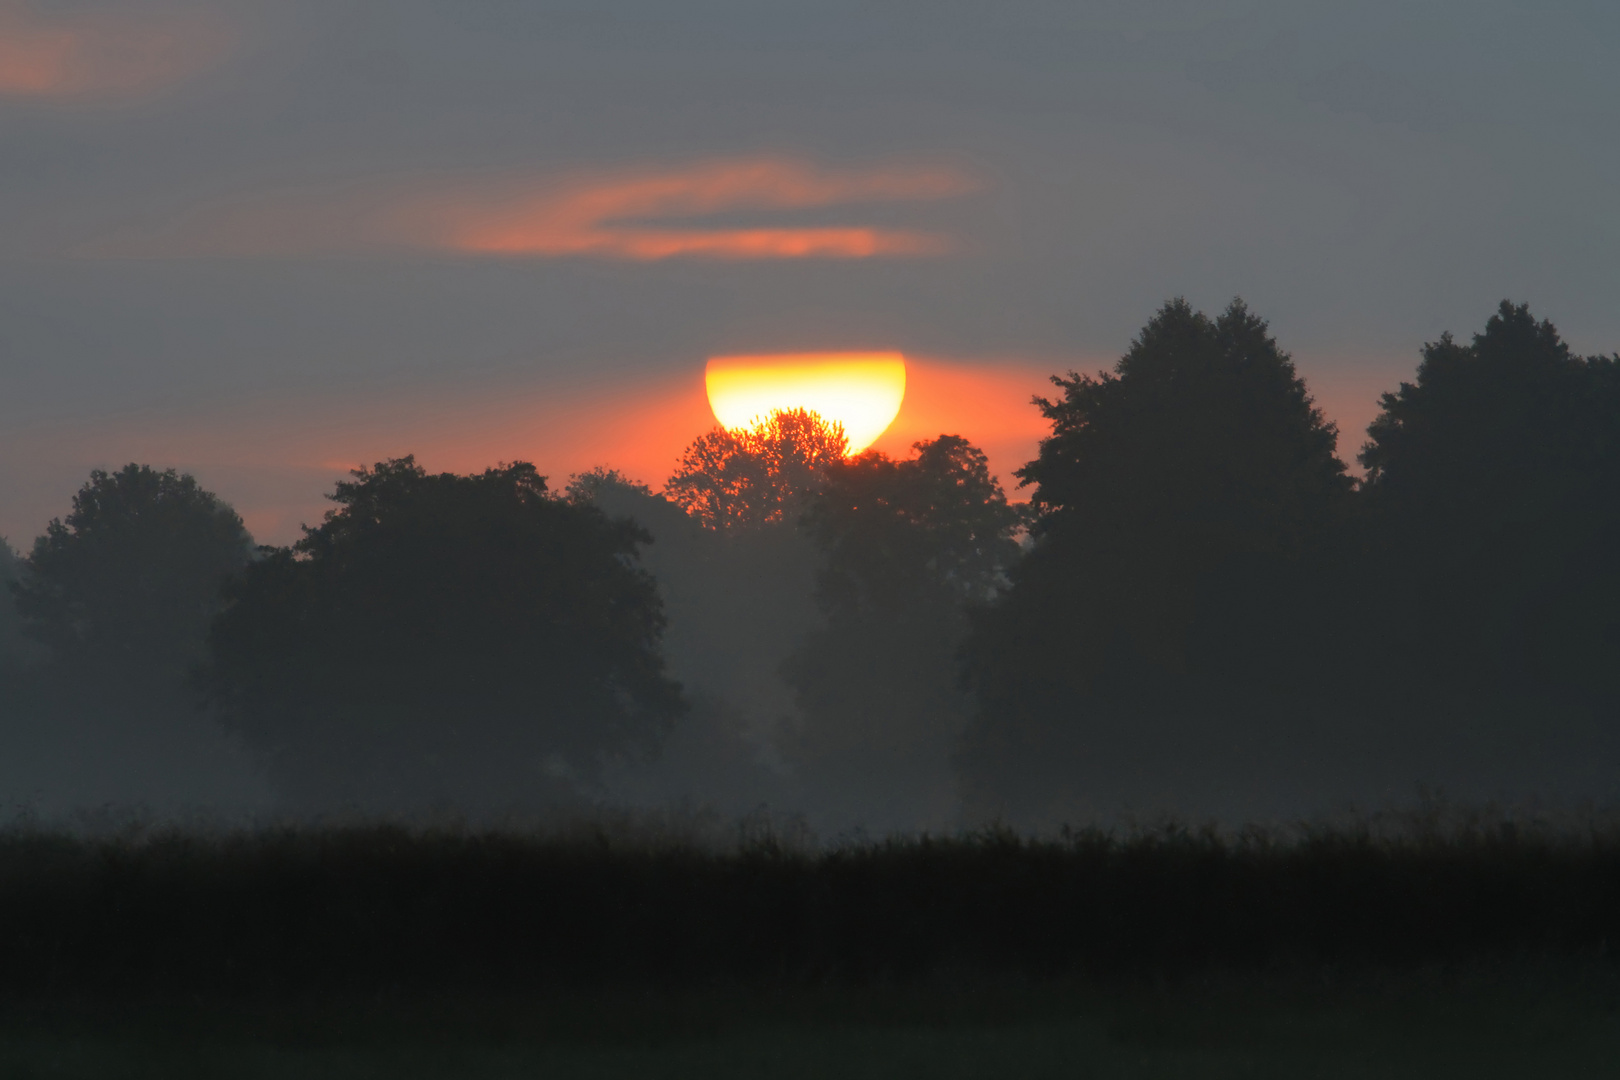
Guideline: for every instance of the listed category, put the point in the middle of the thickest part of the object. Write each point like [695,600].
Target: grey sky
[1365,174]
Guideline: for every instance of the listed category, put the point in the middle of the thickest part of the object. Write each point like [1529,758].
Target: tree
[1493,491]
[444,638]
[13,646]
[1185,500]
[602,482]
[738,600]
[756,476]
[126,585]
[896,532]
[907,544]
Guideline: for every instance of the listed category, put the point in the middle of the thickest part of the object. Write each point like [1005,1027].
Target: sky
[264,241]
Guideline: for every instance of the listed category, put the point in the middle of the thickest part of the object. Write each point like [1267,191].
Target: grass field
[1529,1024]
[1473,947]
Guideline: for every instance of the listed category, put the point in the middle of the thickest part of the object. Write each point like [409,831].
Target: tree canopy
[1203,431]
[130,579]
[1198,611]
[1171,489]
[1493,487]
[12,644]
[899,533]
[468,636]
[1184,500]
[906,545]
[759,475]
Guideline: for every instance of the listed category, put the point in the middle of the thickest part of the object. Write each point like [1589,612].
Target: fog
[741,608]
[81,749]
[1203,615]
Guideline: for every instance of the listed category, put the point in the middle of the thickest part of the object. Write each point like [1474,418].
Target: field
[1473,946]
[1525,1023]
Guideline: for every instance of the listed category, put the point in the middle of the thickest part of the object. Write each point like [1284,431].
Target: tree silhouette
[1184,500]
[759,475]
[602,482]
[125,586]
[1493,488]
[738,601]
[13,646]
[899,532]
[906,545]
[461,639]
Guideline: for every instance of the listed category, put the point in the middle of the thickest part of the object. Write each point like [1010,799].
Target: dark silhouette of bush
[445,640]
[906,544]
[1493,507]
[385,910]
[1177,590]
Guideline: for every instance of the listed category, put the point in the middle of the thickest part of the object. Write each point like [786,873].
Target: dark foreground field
[1476,947]
[1528,1023]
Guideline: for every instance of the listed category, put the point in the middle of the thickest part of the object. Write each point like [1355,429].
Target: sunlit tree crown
[753,476]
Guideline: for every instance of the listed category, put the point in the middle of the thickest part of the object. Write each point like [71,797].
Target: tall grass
[377,908]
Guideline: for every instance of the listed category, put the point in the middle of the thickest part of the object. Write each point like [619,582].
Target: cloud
[102,54]
[643,214]
[605,215]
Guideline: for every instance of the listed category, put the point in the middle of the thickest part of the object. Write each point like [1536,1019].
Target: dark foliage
[375,910]
[738,601]
[1210,616]
[125,587]
[1187,503]
[17,688]
[1493,503]
[97,702]
[13,645]
[906,544]
[466,640]
[900,533]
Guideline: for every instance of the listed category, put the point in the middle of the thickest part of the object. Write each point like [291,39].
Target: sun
[862,391]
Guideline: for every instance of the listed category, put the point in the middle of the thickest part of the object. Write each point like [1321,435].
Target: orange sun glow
[862,391]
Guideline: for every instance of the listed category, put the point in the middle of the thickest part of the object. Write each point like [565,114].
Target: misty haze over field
[1201,614]
[356,455]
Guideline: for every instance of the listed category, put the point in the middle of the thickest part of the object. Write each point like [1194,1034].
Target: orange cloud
[110,53]
[641,215]
[605,216]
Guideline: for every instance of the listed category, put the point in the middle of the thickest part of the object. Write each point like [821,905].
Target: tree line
[1211,596]
[1199,597]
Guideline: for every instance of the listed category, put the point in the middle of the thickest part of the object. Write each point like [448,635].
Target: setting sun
[862,391]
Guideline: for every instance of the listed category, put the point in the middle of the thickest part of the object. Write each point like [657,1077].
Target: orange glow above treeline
[985,401]
[275,459]
[861,391]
